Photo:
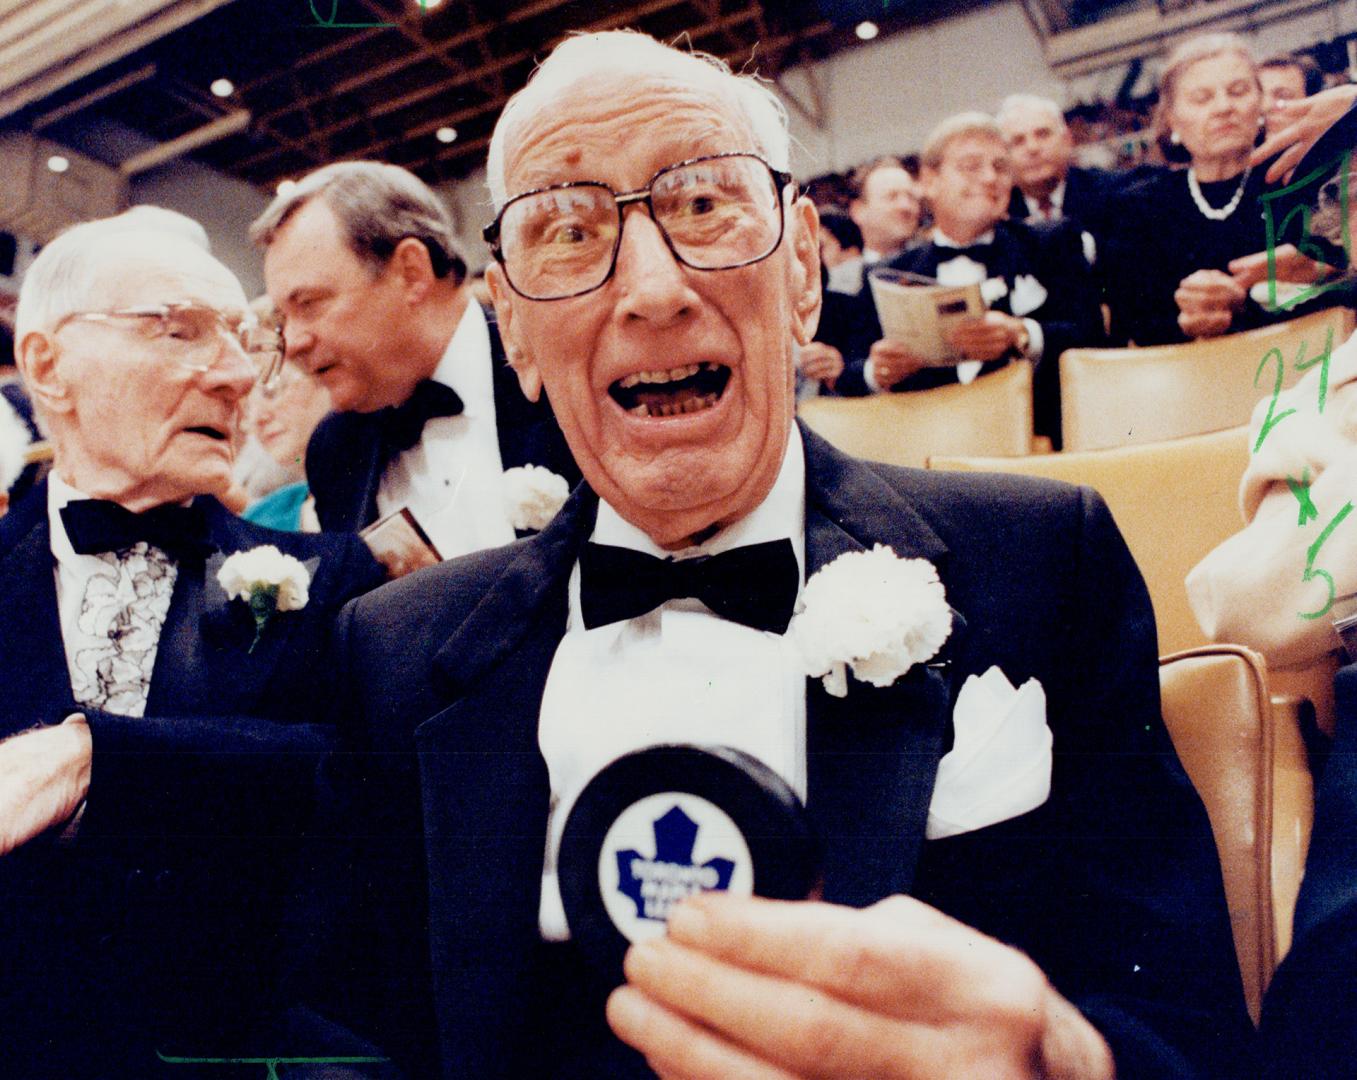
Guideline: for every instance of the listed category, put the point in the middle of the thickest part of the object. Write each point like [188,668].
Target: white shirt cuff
[1036,339]
[869,377]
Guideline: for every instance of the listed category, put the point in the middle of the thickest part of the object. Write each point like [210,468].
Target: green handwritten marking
[331,24]
[1323,360]
[1270,421]
[271,1063]
[1301,490]
[1310,573]
[1304,244]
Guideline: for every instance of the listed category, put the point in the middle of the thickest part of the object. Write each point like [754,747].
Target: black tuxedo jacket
[1309,1025]
[1053,254]
[1112,886]
[349,452]
[156,928]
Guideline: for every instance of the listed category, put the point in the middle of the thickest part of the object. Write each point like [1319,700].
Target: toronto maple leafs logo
[655,885]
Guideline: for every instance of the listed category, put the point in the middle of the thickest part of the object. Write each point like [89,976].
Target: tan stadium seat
[1121,397]
[1246,761]
[1173,501]
[993,415]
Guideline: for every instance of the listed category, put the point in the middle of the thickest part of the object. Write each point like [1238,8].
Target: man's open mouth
[212,433]
[675,392]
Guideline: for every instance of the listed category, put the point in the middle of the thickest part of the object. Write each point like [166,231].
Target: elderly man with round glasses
[159,669]
[1041,892]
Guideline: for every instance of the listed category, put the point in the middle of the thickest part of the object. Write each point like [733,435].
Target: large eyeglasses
[192,332]
[715,213]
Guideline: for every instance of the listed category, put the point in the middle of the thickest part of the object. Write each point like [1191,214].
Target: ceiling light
[284,186]
[429,5]
[446,134]
[866,30]
[223,87]
[58,164]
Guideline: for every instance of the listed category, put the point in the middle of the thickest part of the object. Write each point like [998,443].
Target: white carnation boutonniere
[871,611]
[268,581]
[533,495]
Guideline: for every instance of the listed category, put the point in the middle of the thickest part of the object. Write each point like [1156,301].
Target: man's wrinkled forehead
[598,112]
[157,274]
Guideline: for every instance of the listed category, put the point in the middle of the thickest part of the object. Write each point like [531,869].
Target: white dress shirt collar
[941,239]
[1057,203]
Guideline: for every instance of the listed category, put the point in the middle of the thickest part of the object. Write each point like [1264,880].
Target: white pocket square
[1000,762]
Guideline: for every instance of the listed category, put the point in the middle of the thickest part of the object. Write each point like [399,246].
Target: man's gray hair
[966,123]
[71,273]
[378,205]
[629,52]
[1015,102]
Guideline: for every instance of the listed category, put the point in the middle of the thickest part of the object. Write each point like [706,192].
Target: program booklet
[916,311]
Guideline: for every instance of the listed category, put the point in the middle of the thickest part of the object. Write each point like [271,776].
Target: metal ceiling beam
[230,124]
[84,101]
[50,44]
[424,93]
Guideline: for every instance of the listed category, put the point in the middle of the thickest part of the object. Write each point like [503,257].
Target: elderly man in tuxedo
[1035,278]
[160,734]
[361,264]
[654,269]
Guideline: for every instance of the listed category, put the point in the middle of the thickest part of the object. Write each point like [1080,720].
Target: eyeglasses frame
[781,179]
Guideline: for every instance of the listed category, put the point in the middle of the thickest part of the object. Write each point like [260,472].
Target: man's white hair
[1016,102]
[72,272]
[629,52]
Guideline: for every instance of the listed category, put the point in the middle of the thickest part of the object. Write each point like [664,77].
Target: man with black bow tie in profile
[361,264]
[1035,278]
[158,749]
[1043,900]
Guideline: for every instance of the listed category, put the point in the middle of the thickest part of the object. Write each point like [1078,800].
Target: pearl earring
[1175,138]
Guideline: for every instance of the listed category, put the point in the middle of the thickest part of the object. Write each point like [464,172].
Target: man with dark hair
[885,207]
[1288,77]
[361,263]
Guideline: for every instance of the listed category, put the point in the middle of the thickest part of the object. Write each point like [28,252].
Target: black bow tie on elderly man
[94,526]
[405,423]
[754,585]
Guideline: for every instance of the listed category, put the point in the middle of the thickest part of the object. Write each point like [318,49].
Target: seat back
[992,415]
[1173,501]
[1121,397]
[1218,712]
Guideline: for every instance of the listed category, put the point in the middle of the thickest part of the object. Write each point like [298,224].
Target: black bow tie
[405,423]
[97,525]
[981,253]
[754,585]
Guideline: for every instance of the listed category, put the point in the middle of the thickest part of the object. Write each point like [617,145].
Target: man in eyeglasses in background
[654,269]
[158,747]
[361,265]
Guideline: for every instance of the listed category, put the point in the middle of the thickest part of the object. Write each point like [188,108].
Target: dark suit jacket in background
[157,928]
[349,452]
[1112,886]
[1309,1025]
[1051,252]
[1089,194]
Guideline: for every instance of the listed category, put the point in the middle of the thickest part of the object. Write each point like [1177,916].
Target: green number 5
[1310,573]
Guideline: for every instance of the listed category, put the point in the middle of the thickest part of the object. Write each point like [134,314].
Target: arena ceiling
[314,81]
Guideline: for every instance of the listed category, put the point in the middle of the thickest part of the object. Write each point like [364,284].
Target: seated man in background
[1078,931]
[886,208]
[158,744]
[361,264]
[1287,78]
[1035,279]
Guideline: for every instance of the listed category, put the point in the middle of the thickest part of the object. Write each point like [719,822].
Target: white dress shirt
[678,674]
[74,574]
[1056,205]
[452,479]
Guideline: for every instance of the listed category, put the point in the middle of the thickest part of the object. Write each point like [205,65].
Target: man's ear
[35,355]
[804,236]
[411,264]
[520,358]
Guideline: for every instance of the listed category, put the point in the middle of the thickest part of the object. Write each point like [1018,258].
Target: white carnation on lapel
[871,611]
[268,581]
[533,496]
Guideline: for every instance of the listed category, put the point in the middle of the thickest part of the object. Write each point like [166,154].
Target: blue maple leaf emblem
[655,885]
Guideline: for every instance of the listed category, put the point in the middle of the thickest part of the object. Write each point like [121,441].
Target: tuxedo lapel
[38,684]
[872,756]
[203,664]
[485,793]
